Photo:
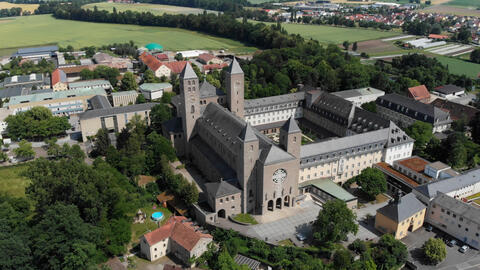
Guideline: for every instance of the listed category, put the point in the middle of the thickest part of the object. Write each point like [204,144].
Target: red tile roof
[175,67]
[179,230]
[214,66]
[205,57]
[76,69]
[162,56]
[56,76]
[434,36]
[419,92]
[150,61]
[385,167]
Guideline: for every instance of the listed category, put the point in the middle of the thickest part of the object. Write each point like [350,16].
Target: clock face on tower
[279,176]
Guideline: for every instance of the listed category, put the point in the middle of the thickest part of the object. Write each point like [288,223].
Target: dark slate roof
[400,210]
[187,72]
[251,263]
[234,67]
[458,207]
[13,92]
[274,100]
[100,102]
[173,125]
[222,188]
[457,111]
[35,78]
[291,126]
[364,121]
[449,89]
[431,189]
[233,126]
[333,105]
[248,134]
[208,90]
[116,110]
[213,158]
[397,136]
[400,104]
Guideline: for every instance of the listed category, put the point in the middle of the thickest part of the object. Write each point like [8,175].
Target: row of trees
[28,67]
[12,12]
[220,5]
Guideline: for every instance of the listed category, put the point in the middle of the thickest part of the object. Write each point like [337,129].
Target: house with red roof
[206,58]
[59,81]
[211,67]
[178,237]
[160,68]
[419,93]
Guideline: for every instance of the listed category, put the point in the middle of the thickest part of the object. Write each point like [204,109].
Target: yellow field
[29,7]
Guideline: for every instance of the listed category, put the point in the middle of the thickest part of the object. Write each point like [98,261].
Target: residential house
[160,68]
[207,58]
[405,111]
[419,93]
[211,67]
[457,111]
[178,237]
[59,81]
[400,216]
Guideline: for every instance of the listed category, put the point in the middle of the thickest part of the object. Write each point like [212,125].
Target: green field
[11,182]
[464,3]
[336,35]
[41,30]
[153,8]
[460,67]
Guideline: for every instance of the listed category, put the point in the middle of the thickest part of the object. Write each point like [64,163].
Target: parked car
[301,237]
[452,243]
[463,249]
[428,228]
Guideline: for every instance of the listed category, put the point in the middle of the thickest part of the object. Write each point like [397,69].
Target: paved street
[366,228]
[455,260]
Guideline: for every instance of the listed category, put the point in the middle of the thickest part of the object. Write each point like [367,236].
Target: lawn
[156,9]
[25,7]
[245,218]
[458,66]
[140,229]
[336,35]
[36,30]
[11,182]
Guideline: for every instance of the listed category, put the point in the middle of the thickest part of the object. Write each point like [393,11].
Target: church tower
[235,88]
[245,167]
[291,137]
[190,94]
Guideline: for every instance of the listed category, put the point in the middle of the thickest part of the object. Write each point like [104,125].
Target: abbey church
[248,170]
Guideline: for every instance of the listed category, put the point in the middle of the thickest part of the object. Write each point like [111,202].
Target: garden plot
[451,49]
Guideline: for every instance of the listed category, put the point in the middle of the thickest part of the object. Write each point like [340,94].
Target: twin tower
[190,94]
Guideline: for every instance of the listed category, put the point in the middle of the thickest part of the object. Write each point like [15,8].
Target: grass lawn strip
[11,182]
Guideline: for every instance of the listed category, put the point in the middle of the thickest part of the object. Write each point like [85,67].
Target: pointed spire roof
[188,72]
[234,67]
[248,134]
[291,126]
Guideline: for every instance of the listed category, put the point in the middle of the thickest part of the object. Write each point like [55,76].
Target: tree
[372,181]
[435,250]
[24,150]
[389,253]
[342,259]
[346,44]
[370,106]
[422,133]
[140,99]
[476,127]
[159,114]
[62,240]
[178,57]
[354,46]
[102,142]
[3,156]
[334,222]
[149,77]
[458,155]
[128,82]
[475,56]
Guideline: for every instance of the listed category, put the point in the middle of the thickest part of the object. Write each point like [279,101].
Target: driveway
[455,260]
[366,223]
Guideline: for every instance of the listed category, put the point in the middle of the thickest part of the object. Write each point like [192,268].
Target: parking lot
[455,260]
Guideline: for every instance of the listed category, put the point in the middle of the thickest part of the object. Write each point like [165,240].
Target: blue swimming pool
[157,216]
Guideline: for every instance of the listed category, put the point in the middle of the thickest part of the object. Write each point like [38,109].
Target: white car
[463,249]
[300,237]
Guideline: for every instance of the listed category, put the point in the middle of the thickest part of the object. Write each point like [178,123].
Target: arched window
[192,109]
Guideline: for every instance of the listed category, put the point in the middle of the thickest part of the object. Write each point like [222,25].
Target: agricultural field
[29,31]
[330,34]
[459,66]
[464,3]
[447,9]
[11,182]
[24,7]
[153,8]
